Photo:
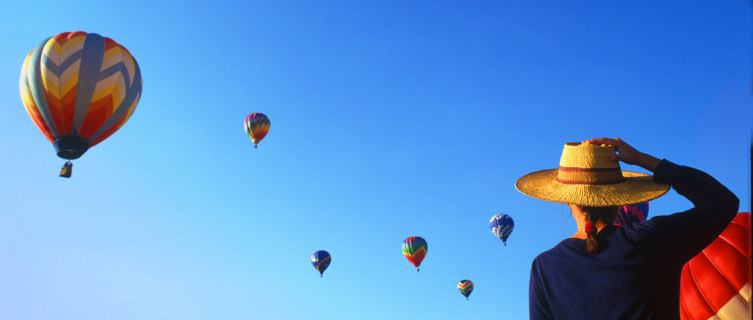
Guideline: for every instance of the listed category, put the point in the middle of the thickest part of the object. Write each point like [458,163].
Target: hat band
[591,176]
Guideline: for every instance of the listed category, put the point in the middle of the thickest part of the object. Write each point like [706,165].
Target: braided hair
[593,215]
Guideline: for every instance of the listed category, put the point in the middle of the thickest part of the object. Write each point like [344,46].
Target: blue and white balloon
[501,226]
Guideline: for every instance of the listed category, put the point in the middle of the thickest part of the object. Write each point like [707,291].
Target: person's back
[635,273]
[569,282]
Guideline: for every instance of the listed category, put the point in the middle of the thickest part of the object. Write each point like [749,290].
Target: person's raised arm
[684,233]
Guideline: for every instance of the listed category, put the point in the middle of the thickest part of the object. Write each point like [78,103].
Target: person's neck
[580,221]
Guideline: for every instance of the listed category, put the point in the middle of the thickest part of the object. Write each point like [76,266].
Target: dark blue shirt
[636,275]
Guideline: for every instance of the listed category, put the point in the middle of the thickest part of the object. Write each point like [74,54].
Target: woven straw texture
[638,187]
[588,178]
[577,155]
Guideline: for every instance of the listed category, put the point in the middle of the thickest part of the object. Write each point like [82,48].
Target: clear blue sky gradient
[389,120]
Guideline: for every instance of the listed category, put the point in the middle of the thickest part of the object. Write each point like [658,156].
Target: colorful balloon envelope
[501,226]
[414,249]
[321,259]
[79,88]
[716,284]
[257,126]
[465,287]
[627,215]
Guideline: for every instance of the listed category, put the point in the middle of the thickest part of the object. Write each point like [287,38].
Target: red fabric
[717,274]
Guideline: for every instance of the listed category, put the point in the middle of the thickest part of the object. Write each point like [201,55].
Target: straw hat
[587,177]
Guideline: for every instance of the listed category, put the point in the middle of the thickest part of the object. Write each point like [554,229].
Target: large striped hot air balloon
[716,284]
[79,88]
[257,126]
[414,249]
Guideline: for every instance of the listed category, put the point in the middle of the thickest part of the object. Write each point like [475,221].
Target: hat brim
[638,187]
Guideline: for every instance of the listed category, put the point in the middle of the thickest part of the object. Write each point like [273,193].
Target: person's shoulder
[564,247]
[642,229]
[643,235]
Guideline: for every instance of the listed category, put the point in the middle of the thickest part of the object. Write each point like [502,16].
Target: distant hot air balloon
[414,249]
[321,259]
[716,284]
[627,215]
[257,126]
[501,225]
[465,287]
[79,88]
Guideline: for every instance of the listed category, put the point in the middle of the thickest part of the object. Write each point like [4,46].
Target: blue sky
[389,120]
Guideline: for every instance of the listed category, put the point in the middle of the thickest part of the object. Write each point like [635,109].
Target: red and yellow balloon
[79,88]
[256,126]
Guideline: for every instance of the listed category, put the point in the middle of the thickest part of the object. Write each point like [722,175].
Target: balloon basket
[66,170]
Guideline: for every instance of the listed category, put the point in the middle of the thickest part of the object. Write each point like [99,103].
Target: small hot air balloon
[257,126]
[627,215]
[501,225]
[79,88]
[321,259]
[716,283]
[465,287]
[414,249]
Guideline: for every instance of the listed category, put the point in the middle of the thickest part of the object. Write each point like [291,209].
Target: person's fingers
[604,140]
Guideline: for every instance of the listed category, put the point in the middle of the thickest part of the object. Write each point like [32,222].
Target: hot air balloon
[716,284]
[257,126]
[465,287]
[321,259]
[627,215]
[414,249]
[501,225]
[79,88]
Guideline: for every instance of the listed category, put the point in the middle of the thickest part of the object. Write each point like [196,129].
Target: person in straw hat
[628,272]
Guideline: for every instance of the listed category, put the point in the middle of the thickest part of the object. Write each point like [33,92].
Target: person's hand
[627,154]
